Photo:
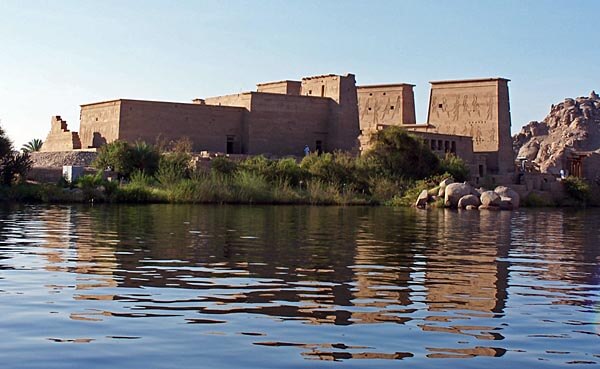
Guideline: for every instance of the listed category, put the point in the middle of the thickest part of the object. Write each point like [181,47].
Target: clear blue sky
[56,55]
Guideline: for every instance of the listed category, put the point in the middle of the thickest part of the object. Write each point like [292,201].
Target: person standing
[306,150]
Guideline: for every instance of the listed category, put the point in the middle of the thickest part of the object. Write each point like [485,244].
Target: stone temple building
[470,118]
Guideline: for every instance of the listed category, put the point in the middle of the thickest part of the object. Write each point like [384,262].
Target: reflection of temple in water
[339,266]
[71,246]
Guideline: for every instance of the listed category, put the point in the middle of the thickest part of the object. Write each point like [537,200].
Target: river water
[178,286]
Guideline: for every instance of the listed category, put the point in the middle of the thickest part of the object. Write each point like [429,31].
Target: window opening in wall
[369,108]
[440,145]
[446,146]
[310,92]
[96,119]
[319,147]
[453,148]
[322,90]
[384,94]
[432,144]
[392,107]
[230,141]
[370,94]
[440,106]
[481,172]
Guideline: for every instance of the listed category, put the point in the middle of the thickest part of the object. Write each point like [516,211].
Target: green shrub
[338,169]
[456,167]
[284,193]
[140,178]
[577,189]
[124,158]
[320,193]
[13,165]
[383,189]
[223,166]
[395,154]
[173,167]
[144,158]
[288,170]
[251,188]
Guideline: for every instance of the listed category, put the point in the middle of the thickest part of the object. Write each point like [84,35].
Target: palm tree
[33,145]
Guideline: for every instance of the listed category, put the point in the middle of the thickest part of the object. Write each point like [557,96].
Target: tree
[33,145]
[397,154]
[12,164]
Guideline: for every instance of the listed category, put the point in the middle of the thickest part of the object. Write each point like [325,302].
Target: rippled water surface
[167,286]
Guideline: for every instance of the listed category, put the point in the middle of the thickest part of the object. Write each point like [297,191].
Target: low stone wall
[50,174]
[60,158]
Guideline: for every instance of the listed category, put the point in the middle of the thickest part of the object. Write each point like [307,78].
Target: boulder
[468,200]
[422,199]
[506,203]
[490,198]
[514,197]
[454,191]
[489,207]
[442,186]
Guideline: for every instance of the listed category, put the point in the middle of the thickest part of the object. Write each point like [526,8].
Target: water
[174,286]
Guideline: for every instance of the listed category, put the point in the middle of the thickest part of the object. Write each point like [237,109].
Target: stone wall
[282,87]
[479,109]
[344,126]
[99,123]
[208,127]
[283,124]
[60,138]
[385,104]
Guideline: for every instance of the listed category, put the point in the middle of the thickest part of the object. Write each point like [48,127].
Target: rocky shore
[464,196]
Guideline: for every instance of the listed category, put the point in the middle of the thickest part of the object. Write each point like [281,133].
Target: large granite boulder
[468,200]
[422,199]
[443,185]
[510,196]
[453,193]
[490,198]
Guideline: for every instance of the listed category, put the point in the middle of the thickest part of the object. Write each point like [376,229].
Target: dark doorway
[230,142]
[319,147]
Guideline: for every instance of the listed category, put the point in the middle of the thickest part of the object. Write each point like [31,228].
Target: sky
[58,54]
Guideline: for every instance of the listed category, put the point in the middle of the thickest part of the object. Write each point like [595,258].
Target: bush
[395,154]
[144,158]
[13,165]
[251,188]
[288,171]
[456,167]
[223,166]
[124,158]
[338,169]
[383,189]
[577,189]
[173,167]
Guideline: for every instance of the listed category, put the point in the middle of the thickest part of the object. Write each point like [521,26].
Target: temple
[469,118]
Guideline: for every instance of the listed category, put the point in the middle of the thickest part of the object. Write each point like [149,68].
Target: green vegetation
[393,172]
[578,190]
[33,145]
[13,165]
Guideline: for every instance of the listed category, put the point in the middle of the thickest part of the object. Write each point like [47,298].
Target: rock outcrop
[572,125]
